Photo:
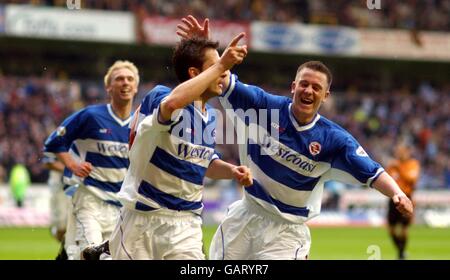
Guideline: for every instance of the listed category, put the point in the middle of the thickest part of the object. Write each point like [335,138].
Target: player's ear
[327,94]
[293,87]
[108,89]
[193,71]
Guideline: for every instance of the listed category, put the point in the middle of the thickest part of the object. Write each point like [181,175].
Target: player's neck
[123,111]
[302,119]
[200,104]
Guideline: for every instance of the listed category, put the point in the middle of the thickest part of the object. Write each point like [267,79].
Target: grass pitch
[335,243]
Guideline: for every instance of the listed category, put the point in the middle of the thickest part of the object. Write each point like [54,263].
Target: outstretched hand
[190,27]
[243,175]
[403,205]
[234,54]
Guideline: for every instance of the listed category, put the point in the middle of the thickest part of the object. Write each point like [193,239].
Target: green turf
[353,243]
[27,244]
[327,243]
[344,243]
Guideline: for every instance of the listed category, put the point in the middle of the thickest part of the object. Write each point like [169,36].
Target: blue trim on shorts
[114,202]
[143,207]
[121,238]
[223,243]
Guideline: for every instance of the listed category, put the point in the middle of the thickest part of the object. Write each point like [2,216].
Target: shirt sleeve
[70,130]
[242,96]
[149,110]
[215,156]
[353,165]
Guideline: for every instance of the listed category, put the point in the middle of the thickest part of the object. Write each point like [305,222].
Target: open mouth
[306,101]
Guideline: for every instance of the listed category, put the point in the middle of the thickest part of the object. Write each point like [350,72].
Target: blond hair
[118,65]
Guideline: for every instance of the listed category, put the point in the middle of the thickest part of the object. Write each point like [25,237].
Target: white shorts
[157,235]
[71,247]
[249,232]
[95,219]
[59,203]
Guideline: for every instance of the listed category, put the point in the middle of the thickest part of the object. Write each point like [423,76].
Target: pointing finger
[236,39]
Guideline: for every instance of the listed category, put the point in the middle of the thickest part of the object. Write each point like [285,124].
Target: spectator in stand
[422,117]
[412,15]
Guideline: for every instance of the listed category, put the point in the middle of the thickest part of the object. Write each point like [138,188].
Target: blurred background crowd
[391,85]
[407,14]
[416,111]
[31,108]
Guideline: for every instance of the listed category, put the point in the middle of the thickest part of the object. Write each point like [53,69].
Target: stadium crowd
[32,107]
[417,116]
[410,14]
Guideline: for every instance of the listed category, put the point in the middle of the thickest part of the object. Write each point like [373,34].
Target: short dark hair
[190,53]
[317,66]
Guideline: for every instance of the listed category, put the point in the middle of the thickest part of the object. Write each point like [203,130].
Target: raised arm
[190,27]
[192,89]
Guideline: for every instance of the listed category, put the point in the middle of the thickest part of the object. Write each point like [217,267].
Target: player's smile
[306,101]
[307,105]
[309,90]
[123,84]
[125,90]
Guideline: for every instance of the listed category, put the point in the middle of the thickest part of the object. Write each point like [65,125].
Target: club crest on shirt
[61,131]
[315,148]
